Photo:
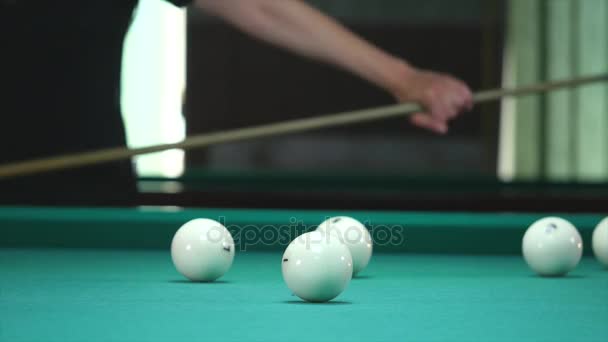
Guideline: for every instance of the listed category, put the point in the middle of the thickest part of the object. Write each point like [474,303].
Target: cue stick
[67,161]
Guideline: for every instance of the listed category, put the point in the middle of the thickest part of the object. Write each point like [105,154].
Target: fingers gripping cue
[294,126]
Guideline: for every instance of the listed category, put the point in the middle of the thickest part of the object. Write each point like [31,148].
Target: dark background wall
[234,81]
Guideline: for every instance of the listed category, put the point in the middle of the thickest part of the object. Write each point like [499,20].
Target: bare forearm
[294,25]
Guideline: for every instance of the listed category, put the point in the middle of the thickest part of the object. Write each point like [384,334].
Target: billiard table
[105,274]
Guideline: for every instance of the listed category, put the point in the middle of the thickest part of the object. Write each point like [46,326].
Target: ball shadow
[573,276]
[183,281]
[301,302]
[363,277]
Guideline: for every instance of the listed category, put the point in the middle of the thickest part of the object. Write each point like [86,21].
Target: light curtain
[562,135]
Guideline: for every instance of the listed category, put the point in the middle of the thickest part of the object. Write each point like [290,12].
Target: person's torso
[60,74]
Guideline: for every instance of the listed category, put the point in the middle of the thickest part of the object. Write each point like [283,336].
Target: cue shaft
[23,168]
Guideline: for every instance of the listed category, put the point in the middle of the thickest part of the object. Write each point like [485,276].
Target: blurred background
[205,76]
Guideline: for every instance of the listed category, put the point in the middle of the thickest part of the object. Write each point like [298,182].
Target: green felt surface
[114,295]
[393,231]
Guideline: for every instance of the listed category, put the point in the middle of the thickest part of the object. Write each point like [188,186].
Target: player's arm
[294,25]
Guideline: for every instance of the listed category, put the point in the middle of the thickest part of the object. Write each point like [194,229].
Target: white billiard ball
[600,242]
[202,250]
[317,267]
[552,246]
[356,237]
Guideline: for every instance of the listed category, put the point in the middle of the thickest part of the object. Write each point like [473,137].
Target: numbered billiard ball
[552,247]
[202,250]
[600,242]
[317,267]
[356,237]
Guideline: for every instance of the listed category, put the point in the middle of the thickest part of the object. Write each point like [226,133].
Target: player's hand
[443,98]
